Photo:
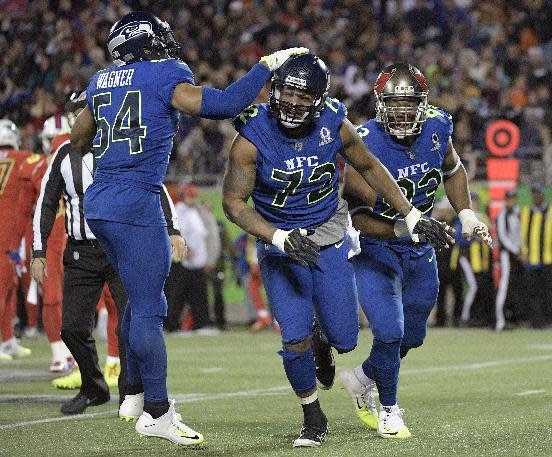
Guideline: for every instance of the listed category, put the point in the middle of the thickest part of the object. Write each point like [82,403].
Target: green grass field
[466,393]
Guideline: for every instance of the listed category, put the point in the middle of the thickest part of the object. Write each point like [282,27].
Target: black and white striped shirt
[68,176]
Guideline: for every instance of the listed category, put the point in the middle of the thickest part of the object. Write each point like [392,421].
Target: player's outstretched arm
[220,104]
[83,131]
[361,196]
[458,193]
[238,185]
[371,169]
[378,178]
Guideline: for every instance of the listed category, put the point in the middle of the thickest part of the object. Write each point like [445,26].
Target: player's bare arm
[455,180]
[371,169]
[456,187]
[83,131]
[238,184]
[237,187]
[362,197]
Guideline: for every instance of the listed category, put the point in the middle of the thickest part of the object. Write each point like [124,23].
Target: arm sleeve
[48,203]
[221,104]
[173,228]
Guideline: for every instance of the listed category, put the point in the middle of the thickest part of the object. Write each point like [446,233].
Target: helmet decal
[382,80]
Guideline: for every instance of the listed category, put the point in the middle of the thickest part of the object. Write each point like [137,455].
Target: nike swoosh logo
[338,245]
[358,404]
[431,258]
[150,425]
[195,437]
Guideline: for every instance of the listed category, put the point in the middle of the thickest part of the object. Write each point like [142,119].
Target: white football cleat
[391,423]
[14,349]
[363,398]
[169,427]
[132,407]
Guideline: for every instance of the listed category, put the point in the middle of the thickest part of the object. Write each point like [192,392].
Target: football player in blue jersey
[397,279]
[131,117]
[284,157]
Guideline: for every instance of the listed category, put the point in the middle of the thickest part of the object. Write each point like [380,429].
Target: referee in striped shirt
[86,267]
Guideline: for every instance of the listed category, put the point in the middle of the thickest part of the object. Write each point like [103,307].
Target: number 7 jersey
[297,178]
[136,122]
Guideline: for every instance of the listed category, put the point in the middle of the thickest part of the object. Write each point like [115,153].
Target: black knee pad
[299,347]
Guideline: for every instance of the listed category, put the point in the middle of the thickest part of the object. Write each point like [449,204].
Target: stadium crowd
[483,59]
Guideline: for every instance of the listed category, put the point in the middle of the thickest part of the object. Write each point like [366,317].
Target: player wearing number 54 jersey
[285,159]
[396,279]
[131,117]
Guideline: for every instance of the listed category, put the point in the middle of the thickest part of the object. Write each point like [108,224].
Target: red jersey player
[11,230]
[55,131]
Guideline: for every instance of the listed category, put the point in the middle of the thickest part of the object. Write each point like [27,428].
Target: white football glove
[471,226]
[276,59]
[411,219]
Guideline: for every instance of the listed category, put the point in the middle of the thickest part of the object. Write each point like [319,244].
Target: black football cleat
[312,435]
[78,404]
[323,357]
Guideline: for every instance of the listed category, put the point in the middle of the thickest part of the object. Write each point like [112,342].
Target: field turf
[465,393]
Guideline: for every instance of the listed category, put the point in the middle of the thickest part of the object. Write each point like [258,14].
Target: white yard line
[540,347]
[530,392]
[277,390]
[478,366]
[49,420]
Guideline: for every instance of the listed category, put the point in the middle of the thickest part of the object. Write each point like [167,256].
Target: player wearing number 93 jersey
[284,158]
[397,279]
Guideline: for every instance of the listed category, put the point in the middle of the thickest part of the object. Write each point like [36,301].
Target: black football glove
[296,244]
[433,232]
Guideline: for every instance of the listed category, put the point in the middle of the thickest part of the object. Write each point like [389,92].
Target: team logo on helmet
[382,80]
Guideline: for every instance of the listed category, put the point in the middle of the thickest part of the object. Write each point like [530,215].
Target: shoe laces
[177,418]
[369,399]
[393,417]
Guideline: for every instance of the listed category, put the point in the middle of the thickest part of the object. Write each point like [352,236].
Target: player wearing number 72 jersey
[285,159]
[131,117]
[396,279]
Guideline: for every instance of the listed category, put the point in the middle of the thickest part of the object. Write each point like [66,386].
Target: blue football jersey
[297,178]
[136,123]
[416,168]
[135,118]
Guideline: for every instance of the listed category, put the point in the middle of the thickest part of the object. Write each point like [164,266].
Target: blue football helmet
[306,73]
[141,36]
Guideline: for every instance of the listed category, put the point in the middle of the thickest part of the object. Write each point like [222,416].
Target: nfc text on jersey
[412,170]
[297,162]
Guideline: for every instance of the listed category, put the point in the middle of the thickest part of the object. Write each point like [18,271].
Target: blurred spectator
[447,265]
[509,296]
[536,252]
[214,267]
[483,59]
[475,261]
[251,281]
[187,282]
